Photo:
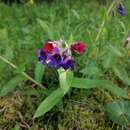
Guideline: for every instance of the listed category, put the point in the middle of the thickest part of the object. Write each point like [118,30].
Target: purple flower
[55,56]
[68,63]
[54,61]
[122,10]
[42,56]
[51,60]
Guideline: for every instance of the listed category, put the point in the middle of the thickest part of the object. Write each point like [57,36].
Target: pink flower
[79,47]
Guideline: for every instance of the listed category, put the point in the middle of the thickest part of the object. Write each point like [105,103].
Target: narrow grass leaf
[123,26]
[75,13]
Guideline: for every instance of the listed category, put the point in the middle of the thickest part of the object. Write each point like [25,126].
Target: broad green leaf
[119,112]
[95,83]
[49,102]
[39,70]
[65,78]
[11,85]
[121,73]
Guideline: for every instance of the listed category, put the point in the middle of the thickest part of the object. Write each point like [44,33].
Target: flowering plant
[55,56]
[59,55]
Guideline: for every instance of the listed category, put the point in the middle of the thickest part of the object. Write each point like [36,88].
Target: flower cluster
[122,10]
[55,56]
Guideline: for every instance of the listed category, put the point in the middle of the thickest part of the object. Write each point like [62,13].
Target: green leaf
[65,78]
[49,102]
[95,83]
[121,73]
[39,70]
[123,26]
[119,112]
[11,85]
[71,40]
[75,13]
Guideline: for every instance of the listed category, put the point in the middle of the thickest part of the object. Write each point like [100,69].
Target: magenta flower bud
[79,47]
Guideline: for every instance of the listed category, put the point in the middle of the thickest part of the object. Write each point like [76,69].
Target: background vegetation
[24,29]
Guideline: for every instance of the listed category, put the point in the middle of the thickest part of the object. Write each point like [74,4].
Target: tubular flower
[55,56]
[122,10]
[52,47]
[79,47]
[68,62]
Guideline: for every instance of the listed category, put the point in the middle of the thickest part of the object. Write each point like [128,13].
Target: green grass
[20,37]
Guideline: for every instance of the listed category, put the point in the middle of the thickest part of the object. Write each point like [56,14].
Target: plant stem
[100,32]
[104,21]
[23,73]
